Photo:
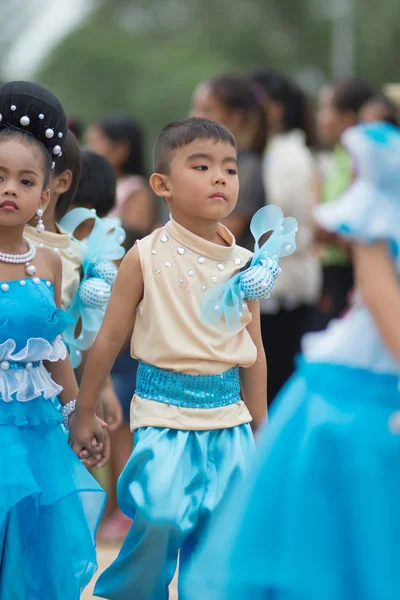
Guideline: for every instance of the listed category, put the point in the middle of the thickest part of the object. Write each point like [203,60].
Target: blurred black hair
[70,160]
[297,110]
[351,94]
[182,133]
[237,92]
[123,128]
[97,186]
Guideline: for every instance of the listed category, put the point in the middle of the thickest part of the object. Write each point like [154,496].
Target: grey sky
[55,20]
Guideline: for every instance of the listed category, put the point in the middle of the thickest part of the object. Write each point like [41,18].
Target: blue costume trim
[227,302]
[100,249]
[189,391]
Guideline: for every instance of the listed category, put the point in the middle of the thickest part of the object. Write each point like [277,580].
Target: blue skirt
[49,507]
[319,516]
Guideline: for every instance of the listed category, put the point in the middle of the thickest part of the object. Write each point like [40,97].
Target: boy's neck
[204,228]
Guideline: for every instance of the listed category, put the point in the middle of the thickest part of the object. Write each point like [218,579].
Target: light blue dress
[49,504]
[319,516]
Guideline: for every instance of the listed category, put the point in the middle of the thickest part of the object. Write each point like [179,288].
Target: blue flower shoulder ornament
[227,303]
[99,250]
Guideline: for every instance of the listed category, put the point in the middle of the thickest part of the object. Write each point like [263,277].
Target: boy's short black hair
[181,133]
[97,186]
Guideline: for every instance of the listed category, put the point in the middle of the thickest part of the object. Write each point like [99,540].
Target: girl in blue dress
[319,516]
[49,504]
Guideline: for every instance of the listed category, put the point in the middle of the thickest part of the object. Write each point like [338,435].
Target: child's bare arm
[119,318]
[254,379]
[378,284]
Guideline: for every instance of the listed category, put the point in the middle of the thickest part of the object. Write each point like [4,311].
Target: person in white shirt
[288,172]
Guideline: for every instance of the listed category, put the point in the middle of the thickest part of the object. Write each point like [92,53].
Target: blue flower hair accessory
[100,249]
[228,302]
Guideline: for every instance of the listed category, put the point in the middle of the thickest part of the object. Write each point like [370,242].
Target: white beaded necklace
[18,259]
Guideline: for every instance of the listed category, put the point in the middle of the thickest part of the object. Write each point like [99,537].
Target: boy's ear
[160,185]
[44,200]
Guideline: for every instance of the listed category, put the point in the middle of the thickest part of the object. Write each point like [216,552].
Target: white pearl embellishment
[203,288]
[29,366]
[154,251]
[25,120]
[220,267]
[5,287]
[216,308]
[1,118]
[57,149]
[164,239]
[168,265]
[41,116]
[19,259]
[60,135]
[238,261]
[49,133]
[201,260]
[31,270]
[191,273]
[158,271]
[4,365]
[214,279]
[36,280]
[181,251]
[13,107]
[48,283]
[22,283]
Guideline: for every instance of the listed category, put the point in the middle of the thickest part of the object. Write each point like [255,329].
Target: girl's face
[331,122]
[115,152]
[22,179]
[207,106]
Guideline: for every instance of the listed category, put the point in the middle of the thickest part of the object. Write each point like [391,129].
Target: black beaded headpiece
[33,109]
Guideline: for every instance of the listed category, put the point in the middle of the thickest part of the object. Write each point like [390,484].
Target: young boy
[190,417]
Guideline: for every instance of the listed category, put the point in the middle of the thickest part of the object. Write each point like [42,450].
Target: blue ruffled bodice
[30,328]
[367,212]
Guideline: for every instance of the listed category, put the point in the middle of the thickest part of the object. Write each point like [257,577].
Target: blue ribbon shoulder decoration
[227,303]
[100,249]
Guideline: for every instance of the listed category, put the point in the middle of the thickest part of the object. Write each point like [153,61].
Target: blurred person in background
[380,108]
[120,140]
[288,172]
[233,101]
[339,108]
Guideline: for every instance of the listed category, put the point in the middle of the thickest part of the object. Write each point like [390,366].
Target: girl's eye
[26,182]
[231,171]
[201,168]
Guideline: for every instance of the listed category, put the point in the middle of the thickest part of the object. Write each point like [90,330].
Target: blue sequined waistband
[190,391]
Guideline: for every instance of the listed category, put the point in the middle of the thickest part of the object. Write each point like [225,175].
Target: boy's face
[203,181]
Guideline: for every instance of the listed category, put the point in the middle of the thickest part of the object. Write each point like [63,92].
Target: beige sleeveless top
[69,251]
[178,267]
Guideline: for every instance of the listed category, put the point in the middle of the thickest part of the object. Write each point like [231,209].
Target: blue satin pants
[173,482]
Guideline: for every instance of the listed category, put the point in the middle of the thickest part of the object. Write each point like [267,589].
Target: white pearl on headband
[53,165]
[25,120]
[56,149]
[1,118]
[13,107]
[60,135]
[41,116]
[49,133]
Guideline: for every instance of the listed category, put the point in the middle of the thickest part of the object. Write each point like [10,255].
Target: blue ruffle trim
[34,413]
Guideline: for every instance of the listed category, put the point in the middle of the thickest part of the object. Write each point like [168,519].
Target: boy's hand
[87,433]
[97,460]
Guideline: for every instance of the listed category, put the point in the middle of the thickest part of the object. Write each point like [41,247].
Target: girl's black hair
[97,186]
[237,92]
[297,111]
[28,138]
[70,160]
[351,94]
[123,128]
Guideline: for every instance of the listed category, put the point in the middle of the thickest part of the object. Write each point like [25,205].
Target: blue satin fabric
[170,486]
[318,516]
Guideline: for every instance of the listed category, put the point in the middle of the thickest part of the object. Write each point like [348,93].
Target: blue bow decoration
[100,249]
[228,302]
